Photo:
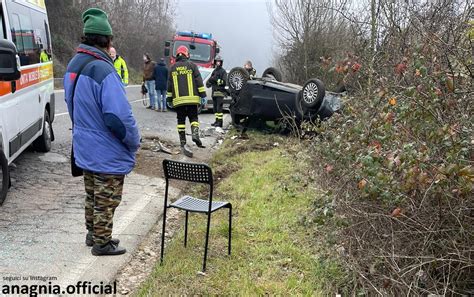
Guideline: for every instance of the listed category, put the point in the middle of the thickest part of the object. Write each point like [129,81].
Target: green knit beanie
[96,22]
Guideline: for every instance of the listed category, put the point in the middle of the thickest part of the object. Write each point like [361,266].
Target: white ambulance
[26,82]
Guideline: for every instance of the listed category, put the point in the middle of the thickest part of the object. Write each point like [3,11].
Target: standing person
[105,135]
[120,66]
[249,67]
[186,89]
[44,57]
[218,81]
[149,80]
[161,83]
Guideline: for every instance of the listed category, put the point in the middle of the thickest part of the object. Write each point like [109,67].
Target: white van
[26,82]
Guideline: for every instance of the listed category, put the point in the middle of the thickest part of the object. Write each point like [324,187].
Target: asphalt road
[149,121]
[42,227]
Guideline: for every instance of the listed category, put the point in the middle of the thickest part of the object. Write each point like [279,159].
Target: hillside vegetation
[139,26]
[398,163]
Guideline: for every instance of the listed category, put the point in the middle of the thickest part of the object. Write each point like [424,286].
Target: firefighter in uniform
[185,88]
[218,81]
[249,67]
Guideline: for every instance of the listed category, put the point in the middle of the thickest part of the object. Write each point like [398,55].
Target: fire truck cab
[202,48]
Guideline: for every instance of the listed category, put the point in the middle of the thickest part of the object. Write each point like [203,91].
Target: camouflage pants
[103,195]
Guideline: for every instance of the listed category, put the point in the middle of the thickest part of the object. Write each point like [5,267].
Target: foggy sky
[241,27]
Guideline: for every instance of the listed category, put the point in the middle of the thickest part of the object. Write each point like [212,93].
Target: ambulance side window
[27,37]
[16,32]
[41,35]
[4,62]
[48,37]
[22,37]
[2,25]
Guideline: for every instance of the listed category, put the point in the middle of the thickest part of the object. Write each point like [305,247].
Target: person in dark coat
[161,84]
[149,80]
[249,67]
[218,81]
[185,90]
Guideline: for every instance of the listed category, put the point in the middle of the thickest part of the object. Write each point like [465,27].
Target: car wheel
[4,177]
[237,77]
[273,73]
[313,94]
[43,143]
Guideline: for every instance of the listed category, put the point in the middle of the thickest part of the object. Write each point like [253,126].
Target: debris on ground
[164,149]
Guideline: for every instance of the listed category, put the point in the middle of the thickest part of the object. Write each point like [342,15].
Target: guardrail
[58,83]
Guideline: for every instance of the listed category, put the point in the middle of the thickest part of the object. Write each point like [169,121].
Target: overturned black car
[269,99]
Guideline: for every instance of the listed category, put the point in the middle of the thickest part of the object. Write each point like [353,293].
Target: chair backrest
[193,172]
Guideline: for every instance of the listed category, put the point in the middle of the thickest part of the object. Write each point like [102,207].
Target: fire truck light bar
[196,35]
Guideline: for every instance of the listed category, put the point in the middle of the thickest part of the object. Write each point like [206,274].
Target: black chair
[198,173]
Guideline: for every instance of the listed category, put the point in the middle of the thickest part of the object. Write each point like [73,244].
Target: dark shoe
[108,249]
[214,124]
[149,107]
[90,239]
[195,137]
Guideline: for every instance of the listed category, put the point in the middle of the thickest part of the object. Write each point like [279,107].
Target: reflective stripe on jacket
[121,68]
[218,81]
[185,84]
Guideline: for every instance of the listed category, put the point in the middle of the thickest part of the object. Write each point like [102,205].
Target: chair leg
[186,230]
[163,236]
[207,241]
[230,227]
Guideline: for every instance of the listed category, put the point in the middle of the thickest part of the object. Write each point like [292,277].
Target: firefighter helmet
[219,59]
[182,50]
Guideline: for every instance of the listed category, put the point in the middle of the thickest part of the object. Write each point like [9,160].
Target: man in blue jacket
[161,78]
[105,134]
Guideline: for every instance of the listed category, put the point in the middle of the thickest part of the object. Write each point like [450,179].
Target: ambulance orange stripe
[29,77]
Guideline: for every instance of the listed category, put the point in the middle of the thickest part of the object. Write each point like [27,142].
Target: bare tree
[408,220]
[306,31]
[139,26]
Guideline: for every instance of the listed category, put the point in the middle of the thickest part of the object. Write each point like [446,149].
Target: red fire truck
[202,48]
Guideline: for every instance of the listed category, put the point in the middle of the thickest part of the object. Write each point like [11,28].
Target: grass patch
[272,253]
